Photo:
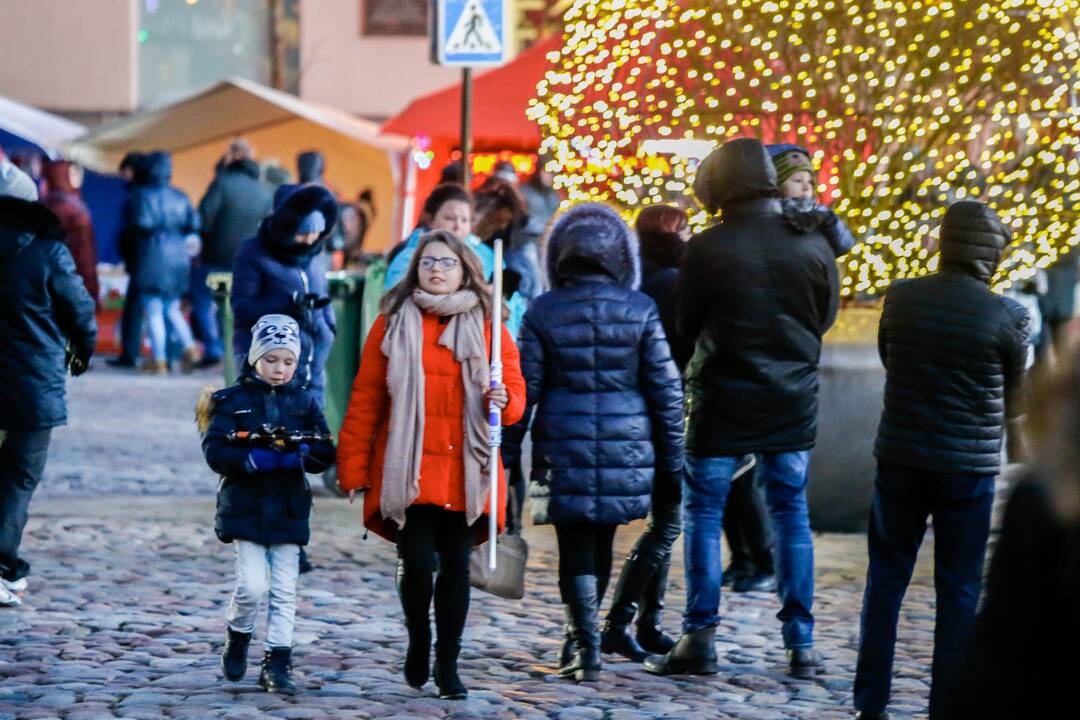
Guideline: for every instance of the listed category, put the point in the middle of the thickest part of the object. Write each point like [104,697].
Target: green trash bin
[346,294]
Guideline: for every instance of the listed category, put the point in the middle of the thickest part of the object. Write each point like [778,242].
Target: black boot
[804,663]
[582,607]
[446,673]
[633,578]
[234,656]
[693,654]
[276,675]
[418,625]
[650,631]
[566,652]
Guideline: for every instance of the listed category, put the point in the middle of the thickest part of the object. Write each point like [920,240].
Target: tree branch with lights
[905,106]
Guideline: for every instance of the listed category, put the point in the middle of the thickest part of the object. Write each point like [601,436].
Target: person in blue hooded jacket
[162,220]
[608,402]
[282,271]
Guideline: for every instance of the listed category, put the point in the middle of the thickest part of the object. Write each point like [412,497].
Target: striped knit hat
[789,159]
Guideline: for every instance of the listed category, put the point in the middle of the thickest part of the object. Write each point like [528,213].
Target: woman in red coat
[414,440]
[64,180]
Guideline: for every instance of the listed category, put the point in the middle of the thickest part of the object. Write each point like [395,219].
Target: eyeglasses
[446,264]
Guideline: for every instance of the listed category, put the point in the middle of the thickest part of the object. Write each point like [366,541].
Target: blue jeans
[903,499]
[204,311]
[706,490]
[166,323]
[22,463]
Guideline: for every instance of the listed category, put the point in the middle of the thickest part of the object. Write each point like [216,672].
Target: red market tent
[500,98]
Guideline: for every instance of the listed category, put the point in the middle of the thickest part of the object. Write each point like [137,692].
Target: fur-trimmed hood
[23,220]
[592,240]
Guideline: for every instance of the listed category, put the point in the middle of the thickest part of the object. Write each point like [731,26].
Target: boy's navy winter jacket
[43,307]
[273,507]
[160,218]
[272,272]
[599,372]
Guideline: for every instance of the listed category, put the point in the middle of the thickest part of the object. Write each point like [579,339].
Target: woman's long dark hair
[659,229]
[472,276]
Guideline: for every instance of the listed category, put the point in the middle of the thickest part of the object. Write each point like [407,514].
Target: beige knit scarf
[403,345]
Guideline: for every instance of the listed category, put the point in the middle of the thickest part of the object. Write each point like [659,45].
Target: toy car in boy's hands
[278,438]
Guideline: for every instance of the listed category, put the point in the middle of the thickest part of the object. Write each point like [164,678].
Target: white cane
[494,412]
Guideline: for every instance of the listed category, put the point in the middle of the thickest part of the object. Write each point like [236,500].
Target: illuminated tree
[906,107]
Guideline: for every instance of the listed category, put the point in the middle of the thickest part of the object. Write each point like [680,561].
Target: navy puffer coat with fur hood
[599,373]
[273,272]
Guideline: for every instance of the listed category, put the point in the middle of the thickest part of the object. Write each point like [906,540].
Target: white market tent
[198,129]
[43,129]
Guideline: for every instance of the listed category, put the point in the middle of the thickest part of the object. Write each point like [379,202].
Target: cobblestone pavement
[124,613]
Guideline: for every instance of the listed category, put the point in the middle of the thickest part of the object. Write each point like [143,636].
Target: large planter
[852,383]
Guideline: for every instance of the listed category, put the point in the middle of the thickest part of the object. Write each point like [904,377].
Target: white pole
[494,413]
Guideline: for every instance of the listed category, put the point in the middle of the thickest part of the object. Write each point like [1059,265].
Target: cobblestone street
[124,612]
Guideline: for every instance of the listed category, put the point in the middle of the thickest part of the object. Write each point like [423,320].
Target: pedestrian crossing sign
[471,32]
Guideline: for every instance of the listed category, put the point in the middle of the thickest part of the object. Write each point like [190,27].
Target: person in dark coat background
[608,404]
[311,170]
[47,322]
[64,180]
[756,296]
[1028,613]
[131,319]
[230,212]
[163,221]
[282,270]
[955,354]
[662,233]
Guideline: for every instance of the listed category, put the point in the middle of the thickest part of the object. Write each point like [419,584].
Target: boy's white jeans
[263,570]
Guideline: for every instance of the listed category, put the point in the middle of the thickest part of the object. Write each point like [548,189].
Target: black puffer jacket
[952,350]
[661,255]
[270,507]
[231,211]
[755,295]
[598,369]
[43,306]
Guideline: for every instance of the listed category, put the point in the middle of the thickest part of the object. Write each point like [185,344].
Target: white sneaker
[15,586]
[8,598]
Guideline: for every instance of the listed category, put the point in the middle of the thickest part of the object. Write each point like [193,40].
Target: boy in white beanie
[262,435]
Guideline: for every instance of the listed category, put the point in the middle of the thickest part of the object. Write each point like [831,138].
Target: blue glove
[294,461]
[260,460]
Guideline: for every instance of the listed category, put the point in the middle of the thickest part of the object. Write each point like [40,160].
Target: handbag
[507,580]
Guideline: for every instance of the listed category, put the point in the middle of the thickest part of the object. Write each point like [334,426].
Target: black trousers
[747,527]
[584,549]
[431,531]
[22,463]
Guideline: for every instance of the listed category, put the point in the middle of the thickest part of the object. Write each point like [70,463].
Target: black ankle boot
[693,654]
[650,634]
[276,675]
[582,608]
[446,674]
[234,656]
[804,663]
[617,639]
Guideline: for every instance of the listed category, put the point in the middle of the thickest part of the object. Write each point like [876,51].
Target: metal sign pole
[494,413]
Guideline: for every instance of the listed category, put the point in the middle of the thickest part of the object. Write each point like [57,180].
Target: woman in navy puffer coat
[608,405]
[282,270]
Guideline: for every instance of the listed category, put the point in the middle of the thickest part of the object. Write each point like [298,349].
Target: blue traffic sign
[471,32]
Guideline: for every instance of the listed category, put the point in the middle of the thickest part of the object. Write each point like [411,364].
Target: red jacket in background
[65,202]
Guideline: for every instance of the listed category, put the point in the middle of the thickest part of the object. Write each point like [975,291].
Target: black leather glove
[76,363]
[309,301]
[669,484]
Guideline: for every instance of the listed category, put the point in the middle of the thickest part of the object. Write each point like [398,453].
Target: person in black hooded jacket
[755,295]
[955,355]
[608,408]
[47,322]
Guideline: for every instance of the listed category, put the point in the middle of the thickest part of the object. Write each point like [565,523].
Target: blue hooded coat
[599,372]
[160,218]
[273,274]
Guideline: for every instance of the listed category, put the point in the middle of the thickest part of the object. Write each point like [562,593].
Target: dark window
[394,17]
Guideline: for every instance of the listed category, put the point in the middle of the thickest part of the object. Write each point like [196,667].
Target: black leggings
[429,531]
[584,549]
[748,528]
